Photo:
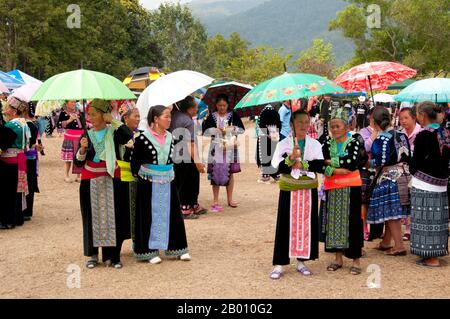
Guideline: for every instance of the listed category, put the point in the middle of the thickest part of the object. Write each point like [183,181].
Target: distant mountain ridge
[288,24]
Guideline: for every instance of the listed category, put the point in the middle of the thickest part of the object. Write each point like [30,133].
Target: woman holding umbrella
[102,208]
[223,125]
[297,230]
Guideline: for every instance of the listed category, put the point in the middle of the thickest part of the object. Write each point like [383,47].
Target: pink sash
[73,135]
[300,225]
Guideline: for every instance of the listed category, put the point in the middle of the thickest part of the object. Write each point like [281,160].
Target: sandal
[396,253]
[305,271]
[233,204]
[92,263]
[198,210]
[422,262]
[190,216]
[382,248]
[117,265]
[355,270]
[276,274]
[216,208]
[333,267]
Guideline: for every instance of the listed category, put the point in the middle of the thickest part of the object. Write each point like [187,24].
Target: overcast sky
[153,4]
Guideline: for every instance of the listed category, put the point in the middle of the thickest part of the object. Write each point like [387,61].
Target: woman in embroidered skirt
[297,228]
[223,126]
[130,117]
[342,225]
[103,209]
[72,122]
[429,201]
[13,166]
[159,224]
[389,203]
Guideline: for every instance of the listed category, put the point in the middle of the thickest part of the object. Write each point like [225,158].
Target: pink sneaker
[216,208]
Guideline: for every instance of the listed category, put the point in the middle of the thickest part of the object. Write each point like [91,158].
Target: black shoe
[3,226]
[27,218]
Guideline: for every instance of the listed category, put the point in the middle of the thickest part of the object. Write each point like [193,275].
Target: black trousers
[11,212]
[187,180]
[32,187]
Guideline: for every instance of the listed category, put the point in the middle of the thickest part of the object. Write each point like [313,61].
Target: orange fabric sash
[341,181]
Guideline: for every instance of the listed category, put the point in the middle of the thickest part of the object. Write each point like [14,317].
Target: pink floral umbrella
[374,76]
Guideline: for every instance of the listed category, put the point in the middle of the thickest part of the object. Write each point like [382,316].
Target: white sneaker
[185,257]
[155,260]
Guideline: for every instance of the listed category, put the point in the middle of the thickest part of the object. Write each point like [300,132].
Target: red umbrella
[374,76]
[234,90]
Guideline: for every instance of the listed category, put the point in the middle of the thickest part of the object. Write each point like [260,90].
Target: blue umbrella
[10,82]
[435,89]
[22,76]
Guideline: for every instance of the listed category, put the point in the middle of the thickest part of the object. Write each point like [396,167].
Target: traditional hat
[17,104]
[101,105]
[341,113]
[125,108]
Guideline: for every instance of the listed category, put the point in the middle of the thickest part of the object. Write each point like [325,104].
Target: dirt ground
[231,254]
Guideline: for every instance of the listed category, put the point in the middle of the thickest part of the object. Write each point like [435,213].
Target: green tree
[318,59]
[221,52]
[181,37]
[143,49]
[114,36]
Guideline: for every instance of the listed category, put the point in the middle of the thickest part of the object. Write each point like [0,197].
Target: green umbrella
[82,85]
[400,85]
[287,87]
[436,90]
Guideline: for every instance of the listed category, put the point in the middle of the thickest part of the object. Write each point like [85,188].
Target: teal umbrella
[82,85]
[401,85]
[435,89]
[287,87]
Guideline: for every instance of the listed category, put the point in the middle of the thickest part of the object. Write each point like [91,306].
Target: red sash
[93,170]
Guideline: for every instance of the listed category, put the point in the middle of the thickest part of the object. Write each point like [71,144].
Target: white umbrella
[170,89]
[26,91]
[383,98]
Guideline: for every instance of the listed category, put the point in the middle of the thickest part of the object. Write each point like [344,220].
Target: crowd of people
[376,178]
[346,174]
[134,184]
